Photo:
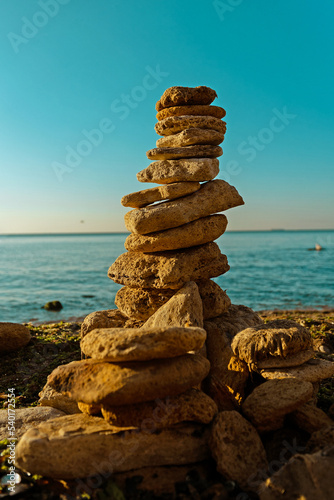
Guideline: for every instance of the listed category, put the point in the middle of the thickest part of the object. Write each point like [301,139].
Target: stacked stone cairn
[177,374]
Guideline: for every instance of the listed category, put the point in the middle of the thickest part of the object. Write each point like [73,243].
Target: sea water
[272,269]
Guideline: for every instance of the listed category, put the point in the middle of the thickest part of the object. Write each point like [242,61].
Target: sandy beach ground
[54,344]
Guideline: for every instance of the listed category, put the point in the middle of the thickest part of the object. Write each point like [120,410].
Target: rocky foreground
[52,345]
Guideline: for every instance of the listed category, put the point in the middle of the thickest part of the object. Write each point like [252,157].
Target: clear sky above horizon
[78,85]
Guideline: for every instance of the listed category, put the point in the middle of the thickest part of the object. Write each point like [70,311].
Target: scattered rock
[26,418]
[191,169]
[198,232]
[178,153]
[310,418]
[214,196]
[96,382]
[110,318]
[278,338]
[141,303]
[50,397]
[190,137]
[164,192]
[313,371]
[168,269]
[303,477]
[268,404]
[184,309]
[199,110]
[83,446]
[13,336]
[321,439]
[192,406]
[175,124]
[237,448]
[180,96]
[141,344]
[54,305]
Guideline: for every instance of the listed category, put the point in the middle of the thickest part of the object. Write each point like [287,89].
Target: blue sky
[78,85]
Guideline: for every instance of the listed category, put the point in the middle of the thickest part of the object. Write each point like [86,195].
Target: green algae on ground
[27,369]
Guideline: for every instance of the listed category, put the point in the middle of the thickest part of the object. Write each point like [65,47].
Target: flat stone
[82,446]
[237,448]
[165,192]
[215,300]
[190,406]
[310,418]
[26,418]
[141,303]
[191,136]
[198,110]
[194,233]
[170,269]
[293,360]
[175,124]
[313,371]
[142,344]
[178,153]
[191,169]
[51,398]
[110,318]
[13,336]
[214,196]
[279,338]
[180,96]
[184,309]
[308,477]
[97,382]
[226,384]
[89,409]
[268,404]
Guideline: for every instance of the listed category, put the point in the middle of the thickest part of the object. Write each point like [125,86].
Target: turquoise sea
[269,270]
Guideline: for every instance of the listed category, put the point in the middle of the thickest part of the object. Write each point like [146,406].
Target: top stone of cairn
[180,96]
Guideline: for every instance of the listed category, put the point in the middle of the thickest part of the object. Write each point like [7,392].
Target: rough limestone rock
[226,384]
[191,169]
[141,303]
[180,96]
[200,151]
[89,409]
[203,110]
[279,338]
[190,406]
[13,336]
[184,309]
[26,418]
[304,477]
[194,233]
[191,136]
[215,300]
[275,362]
[268,404]
[321,439]
[168,269]
[82,445]
[310,418]
[50,397]
[165,192]
[97,382]
[175,124]
[142,344]
[214,196]
[313,371]
[237,448]
[111,318]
